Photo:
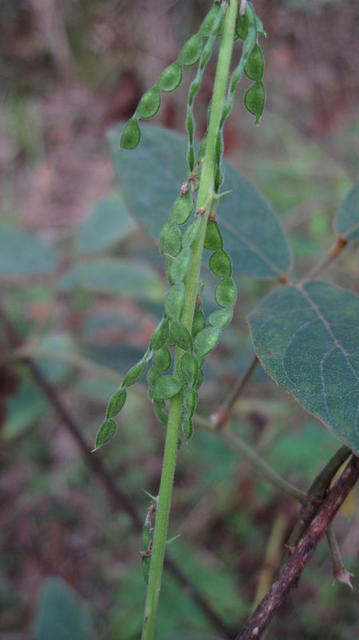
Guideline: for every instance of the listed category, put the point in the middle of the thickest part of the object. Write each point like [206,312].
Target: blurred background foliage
[84,286]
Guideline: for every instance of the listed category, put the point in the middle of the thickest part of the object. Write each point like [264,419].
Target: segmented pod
[254,67]
[179,266]
[160,335]
[244,22]
[209,21]
[135,374]
[220,318]
[206,340]
[149,104]
[220,263]
[213,239]
[166,387]
[191,50]
[131,135]
[189,367]
[170,239]
[226,293]
[189,396]
[175,301]
[180,336]
[159,408]
[187,428]
[105,433]
[254,100]
[170,78]
[152,375]
[200,378]
[116,403]
[162,359]
[199,321]
[191,232]
[181,209]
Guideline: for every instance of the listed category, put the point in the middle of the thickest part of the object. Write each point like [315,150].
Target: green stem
[206,190]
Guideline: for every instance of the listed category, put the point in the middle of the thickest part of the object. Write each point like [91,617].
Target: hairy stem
[206,189]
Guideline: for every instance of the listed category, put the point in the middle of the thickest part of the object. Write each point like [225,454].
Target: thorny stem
[206,189]
[117,496]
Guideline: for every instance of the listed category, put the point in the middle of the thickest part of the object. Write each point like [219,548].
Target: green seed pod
[152,375]
[105,433]
[162,359]
[180,336]
[159,408]
[190,125]
[191,50]
[189,367]
[170,239]
[220,263]
[244,22]
[166,387]
[170,78]
[179,266]
[202,147]
[187,428]
[220,318]
[199,380]
[206,340]
[193,90]
[213,239]
[254,100]
[226,293]
[254,67]
[191,232]
[160,335]
[199,321]
[175,301]
[135,374]
[207,24]
[149,104]
[181,209]
[131,135]
[116,403]
[189,397]
[260,28]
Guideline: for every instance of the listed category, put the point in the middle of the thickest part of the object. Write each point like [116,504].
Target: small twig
[271,560]
[118,497]
[222,416]
[340,573]
[258,464]
[292,571]
[333,254]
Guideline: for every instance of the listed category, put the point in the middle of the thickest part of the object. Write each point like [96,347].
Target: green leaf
[105,433]
[108,223]
[307,339]
[250,229]
[346,222]
[23,255]
[113,277]
[61,614]
[166,387]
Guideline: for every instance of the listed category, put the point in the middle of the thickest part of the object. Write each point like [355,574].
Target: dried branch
[292,571]
[222,416]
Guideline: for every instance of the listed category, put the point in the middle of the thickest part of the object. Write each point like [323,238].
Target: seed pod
[170,239]
[190,125]
[226,293]
[193,90]
[260,28]
[244,22]
[181,209]
[135,373]
[105,433]
[162,359]
[189,367]
[187,428]
[152,375]
[199,321]
[221,318]
[131,135]
[166,387]
[179,266]
[149,104]
[116,403]
[213,239]
[206,340]
[159,406]
[191,232]
[254,100]
[220,263]
[160,335]
[207,24]
[175,301]
[254,67]
[189,397]
[170,78]
[199,380]
[180,336]
[191,50]
[202,147]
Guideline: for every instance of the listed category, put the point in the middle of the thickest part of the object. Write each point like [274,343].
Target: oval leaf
[23,255]
[108,223]
[346,222]
[250,229]
[307,339]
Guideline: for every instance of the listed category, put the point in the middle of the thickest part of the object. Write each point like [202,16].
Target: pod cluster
[198,47]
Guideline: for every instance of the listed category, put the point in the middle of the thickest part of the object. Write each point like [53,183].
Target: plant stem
[206,189]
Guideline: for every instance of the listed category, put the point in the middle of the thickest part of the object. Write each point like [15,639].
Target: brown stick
[291,572]
[222,416]
[118,497]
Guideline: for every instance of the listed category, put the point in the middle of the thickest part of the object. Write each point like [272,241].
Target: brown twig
[222,416]
[118,497]
[292,571]
[333,254]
